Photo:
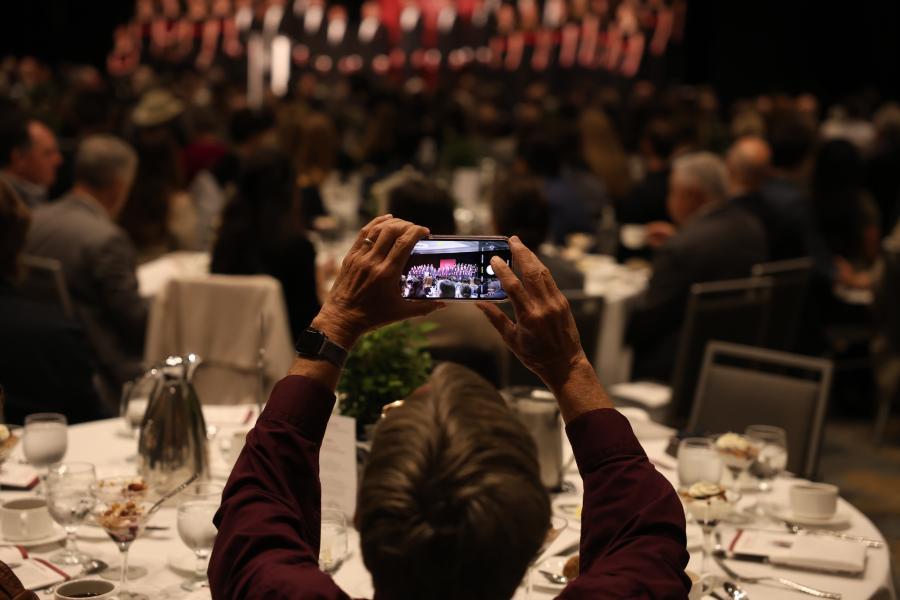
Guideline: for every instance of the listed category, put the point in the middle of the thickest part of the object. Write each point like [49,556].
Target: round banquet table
[168,561]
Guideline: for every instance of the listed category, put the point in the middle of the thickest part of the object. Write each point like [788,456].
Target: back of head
[660,138]
[421,201]
[791,138]
[104,161]
[14,222]
[520,208]
[703,171]
[452,488]
[839,169]
[748,163]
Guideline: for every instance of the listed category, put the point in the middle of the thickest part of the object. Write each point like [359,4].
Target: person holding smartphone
[451,504]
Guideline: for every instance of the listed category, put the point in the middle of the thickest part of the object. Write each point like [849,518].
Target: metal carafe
[539,413]
[172,445]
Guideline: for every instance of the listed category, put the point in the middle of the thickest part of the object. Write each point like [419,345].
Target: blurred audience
[714,240]
[29,156]
[262,233]
[97,256]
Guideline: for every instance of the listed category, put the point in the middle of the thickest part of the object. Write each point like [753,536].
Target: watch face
[310,342]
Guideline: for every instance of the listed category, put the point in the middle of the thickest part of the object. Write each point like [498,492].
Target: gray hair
[104,160]
[704,170]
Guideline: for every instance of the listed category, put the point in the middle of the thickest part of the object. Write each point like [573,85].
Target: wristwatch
[315,344]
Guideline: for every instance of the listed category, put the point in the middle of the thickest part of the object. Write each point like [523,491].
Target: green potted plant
[384,366]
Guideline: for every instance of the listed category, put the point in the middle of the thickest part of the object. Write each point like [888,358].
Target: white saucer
[554,564]
[58,535]
[782,512]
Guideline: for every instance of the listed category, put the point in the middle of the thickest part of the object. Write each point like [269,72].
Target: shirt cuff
[302,402]
[600,434]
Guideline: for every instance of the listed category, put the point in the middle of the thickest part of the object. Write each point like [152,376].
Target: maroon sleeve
[268,540]
[633,542]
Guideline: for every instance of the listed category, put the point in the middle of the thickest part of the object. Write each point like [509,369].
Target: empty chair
[791,280]
[587,311]
[732,311]
[741,386]
[44,282]
[237,324]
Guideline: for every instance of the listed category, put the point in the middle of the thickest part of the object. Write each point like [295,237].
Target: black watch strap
[314,344]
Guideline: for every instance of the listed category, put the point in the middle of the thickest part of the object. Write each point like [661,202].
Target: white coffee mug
[25,519]
[814,500]
[700,584]
[633,237]
[98,589]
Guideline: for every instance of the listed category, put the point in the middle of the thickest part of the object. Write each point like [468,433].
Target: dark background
[741,47]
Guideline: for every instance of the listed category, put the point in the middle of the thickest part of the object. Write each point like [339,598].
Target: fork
[785,582]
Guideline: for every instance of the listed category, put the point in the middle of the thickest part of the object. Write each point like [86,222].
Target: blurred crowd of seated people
[156,161]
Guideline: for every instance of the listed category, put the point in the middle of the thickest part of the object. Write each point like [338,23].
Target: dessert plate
[839,519]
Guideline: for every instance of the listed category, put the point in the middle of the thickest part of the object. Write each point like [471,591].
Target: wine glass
[333,549]
[122,510]
[698,460]
[772,458]
[197,506]
[708,503]
[557,526]
[738,452]
[45,440]
[69,501]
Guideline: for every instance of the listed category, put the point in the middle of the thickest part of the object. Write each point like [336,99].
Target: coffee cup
[633,237]
[25,519]
[98,589]
[700,584]
[814,500]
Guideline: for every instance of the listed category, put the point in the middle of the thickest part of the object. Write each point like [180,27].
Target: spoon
[552,577]
[735,592]
[90,568]
[175,491]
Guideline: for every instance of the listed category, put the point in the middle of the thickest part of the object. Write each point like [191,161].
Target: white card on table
[337,465]
[15,475]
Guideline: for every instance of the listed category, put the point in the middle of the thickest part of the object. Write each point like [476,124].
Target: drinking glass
[69,500]
[707,512]
[737,461]
[45,440]
[698,460]
[135,399]
[772,458]
[197,506]
[122,510]
[333,547]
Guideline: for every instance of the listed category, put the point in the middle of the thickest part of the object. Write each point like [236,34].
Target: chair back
[588,312]
[731,311]
[45,282]
[742,385]
[791,280]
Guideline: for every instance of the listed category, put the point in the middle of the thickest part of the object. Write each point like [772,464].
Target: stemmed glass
[557,526]
[198,504]
[709,503]
[698,460]
[45,440]
[122,510]
[738,452]
[771,460]
[69,501]
[333,548]
[135,399]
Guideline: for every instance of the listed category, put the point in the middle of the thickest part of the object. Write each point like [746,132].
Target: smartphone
[455,268]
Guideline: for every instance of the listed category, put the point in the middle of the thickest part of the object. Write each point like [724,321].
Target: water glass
[772,458]
[45,440]
[698,460]
[333,547]
[69,500]
[197,507]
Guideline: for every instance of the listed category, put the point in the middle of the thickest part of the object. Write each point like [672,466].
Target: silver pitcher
[539,413]
[172,445]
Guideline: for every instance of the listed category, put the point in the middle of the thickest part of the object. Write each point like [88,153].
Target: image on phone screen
[454,269]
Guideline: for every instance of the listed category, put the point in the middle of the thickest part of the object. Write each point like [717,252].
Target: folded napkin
[37,573]
[15,475]
[646,393]
[800,551]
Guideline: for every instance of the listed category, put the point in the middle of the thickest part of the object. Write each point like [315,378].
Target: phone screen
[454,269]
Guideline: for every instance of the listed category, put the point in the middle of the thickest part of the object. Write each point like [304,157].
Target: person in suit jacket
[45,364]
[714,240]
[97,257]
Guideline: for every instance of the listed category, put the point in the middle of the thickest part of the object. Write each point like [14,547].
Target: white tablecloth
[103,444]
